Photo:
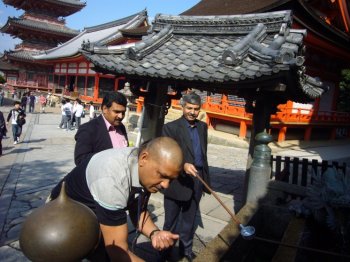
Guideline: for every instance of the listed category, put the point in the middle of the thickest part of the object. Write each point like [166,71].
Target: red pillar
[307,134]
[97,81]
[243,129]
[282,134]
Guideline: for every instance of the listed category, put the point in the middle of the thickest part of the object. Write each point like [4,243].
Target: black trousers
[180,217]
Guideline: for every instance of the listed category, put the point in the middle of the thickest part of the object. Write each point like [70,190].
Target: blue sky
[99,12]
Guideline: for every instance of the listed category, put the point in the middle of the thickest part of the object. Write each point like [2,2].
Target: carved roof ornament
[87,45]
[235,54]
[149,44]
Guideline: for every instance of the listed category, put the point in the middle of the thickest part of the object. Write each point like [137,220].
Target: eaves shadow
[226,181]
[35,141]
[22,150]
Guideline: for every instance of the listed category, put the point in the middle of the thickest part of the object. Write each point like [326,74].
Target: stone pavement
[29,170]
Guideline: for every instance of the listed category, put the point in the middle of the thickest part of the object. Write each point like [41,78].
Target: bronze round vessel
[62,230]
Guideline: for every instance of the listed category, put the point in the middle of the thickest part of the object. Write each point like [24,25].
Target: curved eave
[13,23]
[139,15]
[327,27]
[19,56]
[74,57]
[307,91]
[24,56]
[5,66]
[232,7]
[63,8]
[228,7]
[95,35]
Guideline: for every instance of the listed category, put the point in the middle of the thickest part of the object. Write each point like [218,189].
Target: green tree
[344,92]
[2,79]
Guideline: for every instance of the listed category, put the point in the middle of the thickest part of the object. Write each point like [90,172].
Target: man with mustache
[115,181]
[104,132]
[181,199]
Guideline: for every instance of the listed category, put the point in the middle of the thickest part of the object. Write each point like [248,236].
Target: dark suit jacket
[182,188]
[91,138]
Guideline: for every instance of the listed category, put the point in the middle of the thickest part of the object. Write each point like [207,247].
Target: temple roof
[215,52]
[15,24]
[5,66]
[304,13]
[22,55]
[61,7]
[97,35]
[229,7]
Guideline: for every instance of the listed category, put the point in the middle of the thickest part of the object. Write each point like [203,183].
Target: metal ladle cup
[247,232]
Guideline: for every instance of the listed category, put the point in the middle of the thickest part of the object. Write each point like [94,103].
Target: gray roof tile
[217,49]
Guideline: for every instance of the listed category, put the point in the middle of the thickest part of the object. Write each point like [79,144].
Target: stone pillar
[260,169]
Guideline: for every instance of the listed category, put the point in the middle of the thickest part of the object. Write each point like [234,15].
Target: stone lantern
[129,95]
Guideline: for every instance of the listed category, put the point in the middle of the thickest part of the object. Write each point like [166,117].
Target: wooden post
[307,135]
[96,88]
[224,103]
[242,129]
[333,133]
[139,104]
[282,134]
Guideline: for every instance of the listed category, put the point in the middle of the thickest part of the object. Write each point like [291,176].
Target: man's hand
[190,169]
[163,239]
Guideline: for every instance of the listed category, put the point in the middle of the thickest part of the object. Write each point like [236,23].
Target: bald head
[164,149]
[160,161]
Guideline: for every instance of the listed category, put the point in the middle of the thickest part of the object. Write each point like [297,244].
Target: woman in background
[3,130]
[92,113]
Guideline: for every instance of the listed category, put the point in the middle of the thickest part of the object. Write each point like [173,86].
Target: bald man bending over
[112,183]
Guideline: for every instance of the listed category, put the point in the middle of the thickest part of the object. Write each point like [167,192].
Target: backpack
[67,111]
[21,120]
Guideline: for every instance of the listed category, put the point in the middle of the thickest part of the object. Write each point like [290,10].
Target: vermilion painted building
[327,52]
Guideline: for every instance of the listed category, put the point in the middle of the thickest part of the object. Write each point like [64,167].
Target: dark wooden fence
[299,172]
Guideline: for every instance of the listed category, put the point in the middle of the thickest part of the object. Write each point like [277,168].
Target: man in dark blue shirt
[181,199]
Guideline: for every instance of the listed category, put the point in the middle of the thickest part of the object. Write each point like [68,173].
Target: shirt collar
[188,123]
[108,125]
[134,168]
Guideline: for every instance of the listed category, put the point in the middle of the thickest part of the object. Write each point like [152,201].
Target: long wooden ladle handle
[218,199]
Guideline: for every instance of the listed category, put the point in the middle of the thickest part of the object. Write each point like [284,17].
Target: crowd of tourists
[71,114]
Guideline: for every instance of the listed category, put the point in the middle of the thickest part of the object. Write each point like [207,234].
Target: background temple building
[41,27]
[74,74]
[327,52]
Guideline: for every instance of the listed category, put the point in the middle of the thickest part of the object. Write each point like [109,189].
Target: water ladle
[247,232]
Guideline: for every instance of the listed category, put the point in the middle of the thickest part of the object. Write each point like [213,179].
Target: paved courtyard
[29,170]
